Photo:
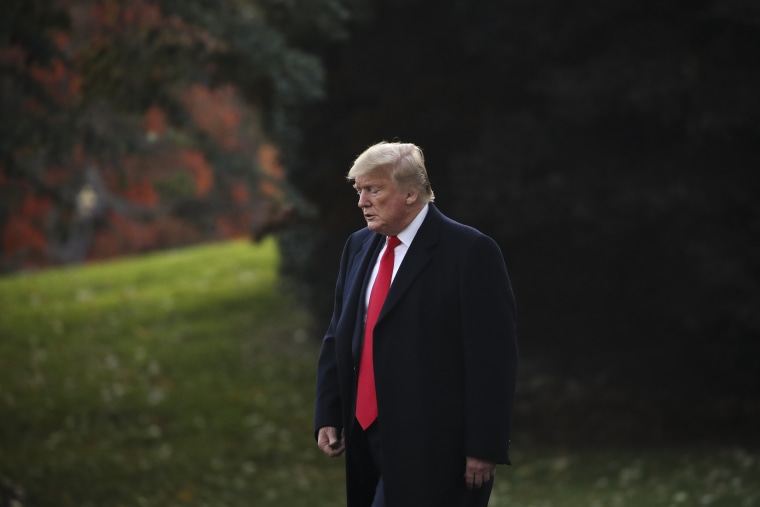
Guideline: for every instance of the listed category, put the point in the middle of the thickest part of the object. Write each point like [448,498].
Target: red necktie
[366,400]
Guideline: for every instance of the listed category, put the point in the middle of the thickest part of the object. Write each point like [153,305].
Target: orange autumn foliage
[57,175]
[35,206]
[154,121]
[239,193]
[216,113]
[24,229]
[19,234]
[233,225]
[61,83]
[268,158]
[148,170]
[145,184]
[195,162]
[125,237]
[141,191]
[270,189]
[116,15]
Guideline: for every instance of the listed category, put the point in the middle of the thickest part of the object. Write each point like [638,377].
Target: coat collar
[416,258]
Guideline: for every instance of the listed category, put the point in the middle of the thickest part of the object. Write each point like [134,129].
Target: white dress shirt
[406,237]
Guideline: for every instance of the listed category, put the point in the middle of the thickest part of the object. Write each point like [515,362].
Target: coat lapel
[364,261]
[416,258]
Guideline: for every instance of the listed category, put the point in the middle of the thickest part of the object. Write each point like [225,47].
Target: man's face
[386,208]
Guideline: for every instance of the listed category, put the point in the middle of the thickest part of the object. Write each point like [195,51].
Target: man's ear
[412,195]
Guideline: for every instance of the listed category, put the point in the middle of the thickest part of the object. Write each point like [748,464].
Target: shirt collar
[407,235]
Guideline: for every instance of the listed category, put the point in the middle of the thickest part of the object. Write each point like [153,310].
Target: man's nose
[363,201]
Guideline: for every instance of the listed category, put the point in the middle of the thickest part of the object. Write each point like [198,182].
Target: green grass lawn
[186,378]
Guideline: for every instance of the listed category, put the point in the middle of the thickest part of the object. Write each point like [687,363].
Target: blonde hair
[404,160]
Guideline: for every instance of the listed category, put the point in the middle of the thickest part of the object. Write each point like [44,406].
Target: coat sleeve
[490,345]
[328,406]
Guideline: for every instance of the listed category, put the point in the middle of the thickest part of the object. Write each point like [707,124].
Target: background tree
[611,148]
[134,125]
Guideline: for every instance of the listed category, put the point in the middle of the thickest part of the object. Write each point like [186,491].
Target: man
[416,380]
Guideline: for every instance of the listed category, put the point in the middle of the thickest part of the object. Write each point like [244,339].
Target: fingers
[329,442]
[478,472]
[475,481]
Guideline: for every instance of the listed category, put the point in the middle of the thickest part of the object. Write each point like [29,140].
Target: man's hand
[328,441]
[477,472]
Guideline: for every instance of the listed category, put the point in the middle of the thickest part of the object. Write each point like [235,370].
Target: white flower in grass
[156,395]
[154,431]
[680,496]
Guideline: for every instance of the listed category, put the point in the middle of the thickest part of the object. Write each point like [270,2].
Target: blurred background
[611,148]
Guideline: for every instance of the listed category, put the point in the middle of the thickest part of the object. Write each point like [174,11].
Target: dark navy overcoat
[445,353]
